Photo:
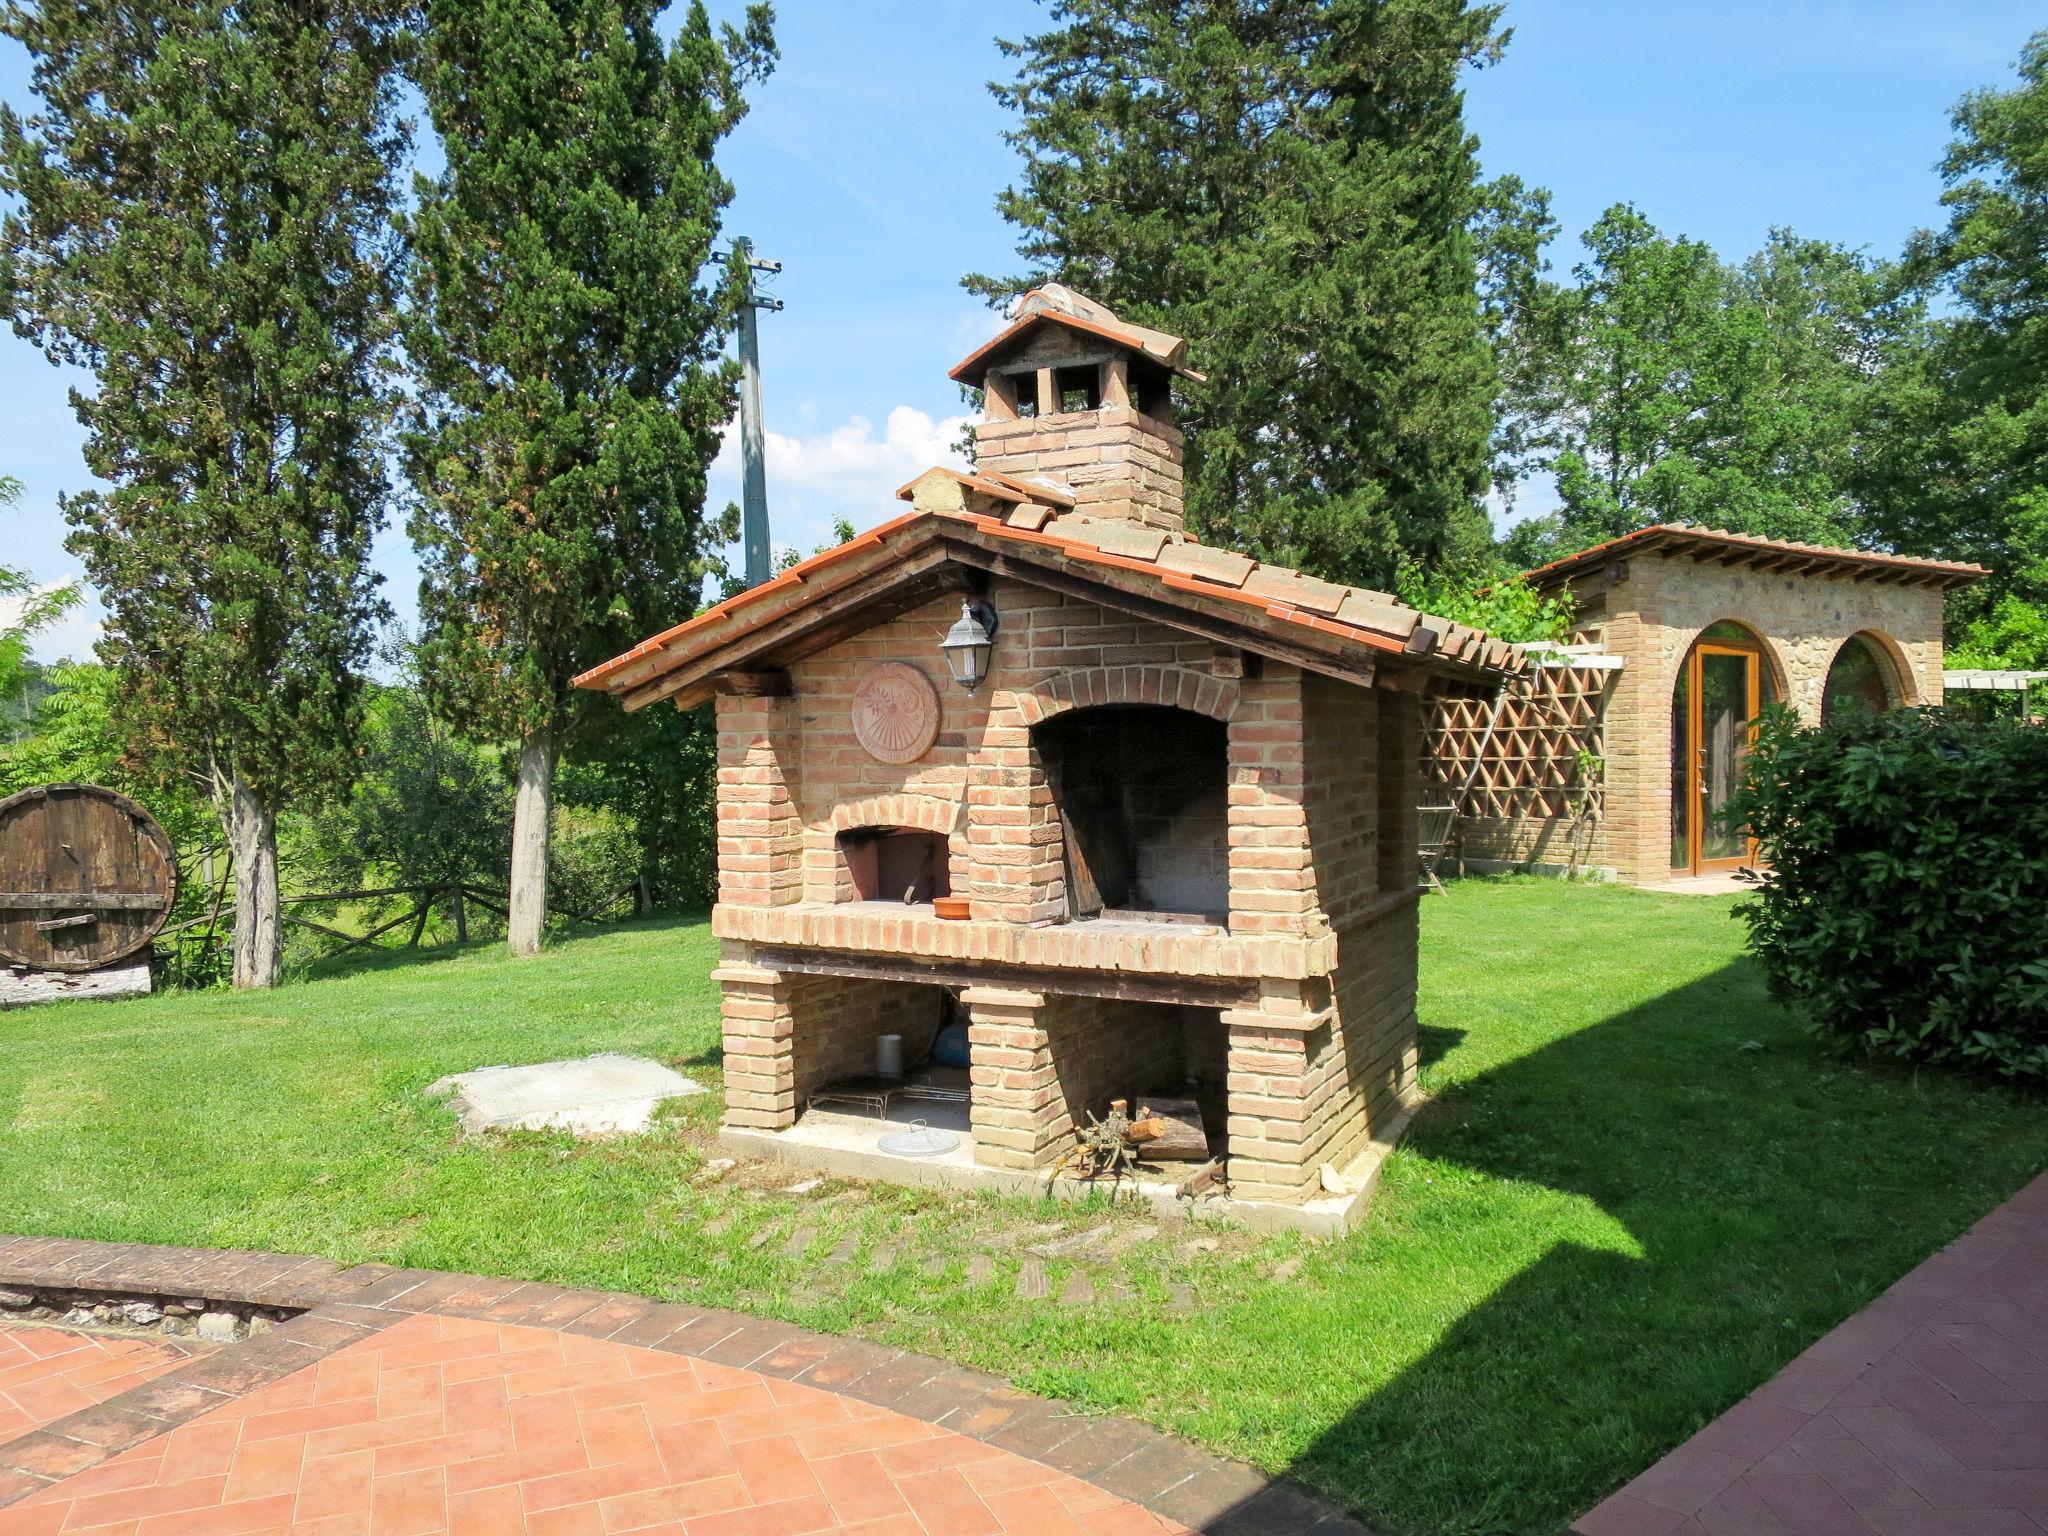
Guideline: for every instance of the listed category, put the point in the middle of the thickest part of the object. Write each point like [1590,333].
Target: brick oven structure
[1180,810]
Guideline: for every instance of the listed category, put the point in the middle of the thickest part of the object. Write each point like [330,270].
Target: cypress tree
[567,348]
[1290,184]
[202,222]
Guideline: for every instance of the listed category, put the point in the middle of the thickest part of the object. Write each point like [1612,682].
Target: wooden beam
[82,901]
[774,640]
[766,683]
[1124,986]
[1159,611]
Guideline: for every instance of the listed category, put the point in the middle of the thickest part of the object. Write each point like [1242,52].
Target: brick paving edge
[342,1305]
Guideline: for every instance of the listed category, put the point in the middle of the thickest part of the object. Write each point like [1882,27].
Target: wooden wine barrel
[87,877]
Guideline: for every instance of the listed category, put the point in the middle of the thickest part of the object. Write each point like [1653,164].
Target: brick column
[1272,874]
[1013,835]
[1017,1113]
[760,831]
[760,1028]
[1399,772]
[1271,1129]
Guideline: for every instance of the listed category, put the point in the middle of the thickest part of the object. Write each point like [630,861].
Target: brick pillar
[1271,1115]
[1635,830]
[759,1020]
[1272,873]
[760,831]
[1013,834]
[1399,771]
[1017,1112]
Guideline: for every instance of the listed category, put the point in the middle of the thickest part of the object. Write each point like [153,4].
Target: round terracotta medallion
[895,713]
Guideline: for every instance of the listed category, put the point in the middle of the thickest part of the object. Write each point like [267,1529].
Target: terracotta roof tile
[1744,548]
[1057,305]
[1267,595]
[1222,566]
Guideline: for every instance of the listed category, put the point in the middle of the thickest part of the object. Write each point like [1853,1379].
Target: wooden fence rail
[453,899]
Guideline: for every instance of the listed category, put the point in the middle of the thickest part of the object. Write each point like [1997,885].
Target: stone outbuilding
[1614,754]
[1135,815]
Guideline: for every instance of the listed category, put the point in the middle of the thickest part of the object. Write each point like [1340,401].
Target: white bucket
[889,1056]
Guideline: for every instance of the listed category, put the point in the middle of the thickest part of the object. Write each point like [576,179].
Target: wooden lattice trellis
[1537,752]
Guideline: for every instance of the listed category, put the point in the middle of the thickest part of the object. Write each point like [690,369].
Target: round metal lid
[919,1140]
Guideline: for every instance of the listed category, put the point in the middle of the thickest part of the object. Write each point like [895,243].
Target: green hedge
[1906,907]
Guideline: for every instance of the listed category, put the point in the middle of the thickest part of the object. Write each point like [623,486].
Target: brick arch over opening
[927,813]
[1169,687]
[1891,663]
[1777,679]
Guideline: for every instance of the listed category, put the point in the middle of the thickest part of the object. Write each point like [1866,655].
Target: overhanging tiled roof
[1715,546]
[1341,630]
[1057,305]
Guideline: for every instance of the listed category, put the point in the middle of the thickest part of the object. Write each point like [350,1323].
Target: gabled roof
[1774,555]
[1341,631]
[1057,304]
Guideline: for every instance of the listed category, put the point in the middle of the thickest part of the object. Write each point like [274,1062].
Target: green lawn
[1639,1190]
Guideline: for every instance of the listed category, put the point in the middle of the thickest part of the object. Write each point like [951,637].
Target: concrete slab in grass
[606,1095]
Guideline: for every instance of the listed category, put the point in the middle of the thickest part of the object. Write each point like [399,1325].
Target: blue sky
[871,158]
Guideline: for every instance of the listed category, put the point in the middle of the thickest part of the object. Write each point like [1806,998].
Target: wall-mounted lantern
[969,642]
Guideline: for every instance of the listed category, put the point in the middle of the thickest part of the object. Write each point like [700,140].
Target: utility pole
[753,446]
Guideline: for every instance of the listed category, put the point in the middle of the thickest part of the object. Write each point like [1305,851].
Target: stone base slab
[1164,949]
[1325,1217]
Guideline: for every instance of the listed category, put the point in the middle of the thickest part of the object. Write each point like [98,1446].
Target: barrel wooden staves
[87,878]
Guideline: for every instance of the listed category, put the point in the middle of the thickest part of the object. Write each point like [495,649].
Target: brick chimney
[1077,397]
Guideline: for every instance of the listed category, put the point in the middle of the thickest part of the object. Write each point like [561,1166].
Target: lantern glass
[969,643]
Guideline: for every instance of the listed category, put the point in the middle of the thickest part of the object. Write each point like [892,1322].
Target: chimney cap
[1057,304]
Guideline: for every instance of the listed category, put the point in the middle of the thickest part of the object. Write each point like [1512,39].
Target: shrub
[1906,907]
[593,854]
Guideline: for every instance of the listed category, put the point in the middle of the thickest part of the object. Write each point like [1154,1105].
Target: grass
[1639,1191]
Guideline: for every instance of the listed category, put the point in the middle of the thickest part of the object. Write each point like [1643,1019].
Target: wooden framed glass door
[1713,721]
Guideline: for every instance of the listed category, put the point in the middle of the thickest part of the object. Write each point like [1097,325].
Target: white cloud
[71,638]
[850,471]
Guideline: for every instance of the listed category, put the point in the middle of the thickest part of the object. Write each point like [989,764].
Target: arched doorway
[1859,678]
[1722,685]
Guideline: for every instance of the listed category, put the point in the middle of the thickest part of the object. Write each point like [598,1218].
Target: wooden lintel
[1403,680]
[83,901]
[784,639]
[1122,986]
[766,683]
[1355,670]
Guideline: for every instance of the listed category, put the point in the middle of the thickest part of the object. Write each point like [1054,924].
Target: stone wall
[177,1315]
[1654,609]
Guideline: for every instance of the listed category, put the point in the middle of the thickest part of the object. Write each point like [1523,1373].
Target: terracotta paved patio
[46,1373]
[445,1424]
[402,1402]
[1926,1414]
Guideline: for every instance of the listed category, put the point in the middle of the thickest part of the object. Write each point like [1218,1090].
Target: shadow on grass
[1770,1191]
[1433,1043]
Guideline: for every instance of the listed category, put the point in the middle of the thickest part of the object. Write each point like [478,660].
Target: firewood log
[1181,1137]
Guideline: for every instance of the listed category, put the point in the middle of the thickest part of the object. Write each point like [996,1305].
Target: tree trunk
[259,932]
[529,899]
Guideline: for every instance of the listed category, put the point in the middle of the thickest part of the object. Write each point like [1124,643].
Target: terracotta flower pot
[952,908]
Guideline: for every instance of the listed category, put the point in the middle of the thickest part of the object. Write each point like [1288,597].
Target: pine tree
[202,223]
[1290,184]
[567,351]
